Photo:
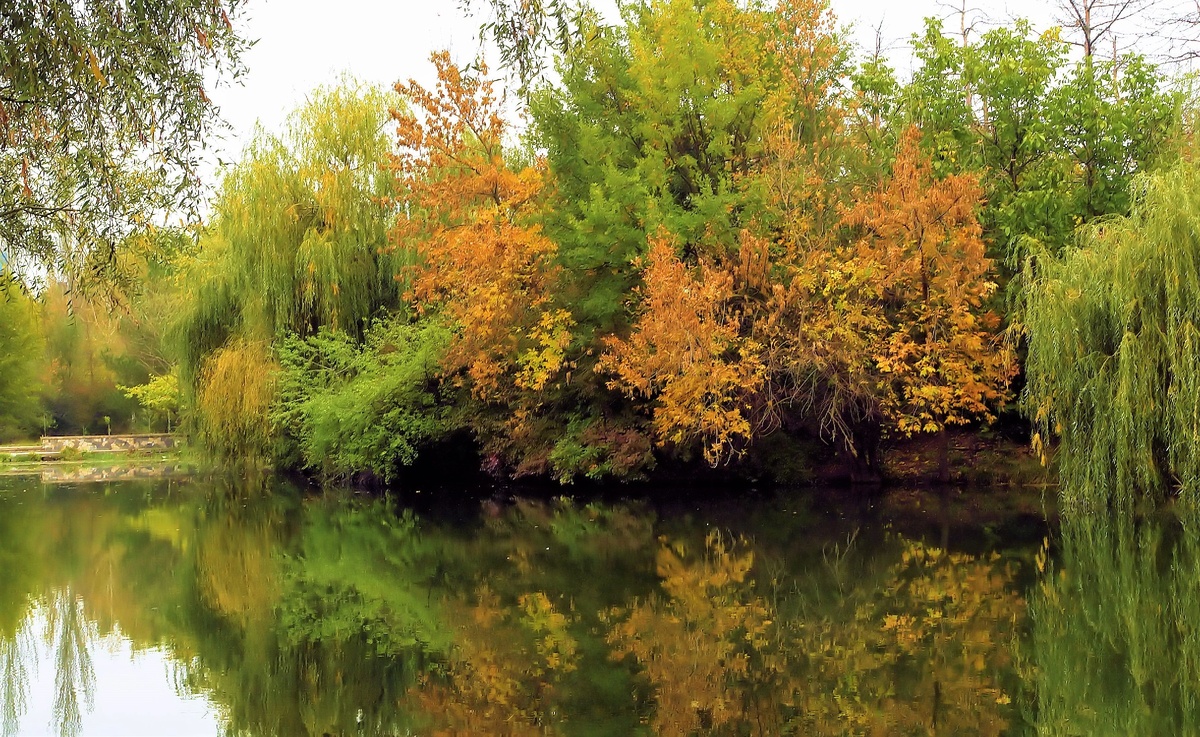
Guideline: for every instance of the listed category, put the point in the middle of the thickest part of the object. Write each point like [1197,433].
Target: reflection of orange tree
[501,675]
[922,654]
[707,646]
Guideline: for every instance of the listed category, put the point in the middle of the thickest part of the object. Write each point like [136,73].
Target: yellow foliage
[696,646]
[937,359]
[686,353]
[233,399]
[503,670]
[465,224]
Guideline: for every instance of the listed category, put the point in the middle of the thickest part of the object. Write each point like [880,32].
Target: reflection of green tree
[14,679]
[69,633]
[20,562]
[362,569]
[1115,648]
[19,573]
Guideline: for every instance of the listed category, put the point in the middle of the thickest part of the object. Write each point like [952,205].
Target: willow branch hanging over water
[1114,348]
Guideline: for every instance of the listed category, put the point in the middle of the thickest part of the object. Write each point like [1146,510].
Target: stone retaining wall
[90,443]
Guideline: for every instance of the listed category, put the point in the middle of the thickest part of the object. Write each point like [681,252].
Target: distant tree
[1095,21]
[20,356]
[102,113]
[160,396]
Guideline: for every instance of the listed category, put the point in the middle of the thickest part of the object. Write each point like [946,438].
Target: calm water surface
[197,607]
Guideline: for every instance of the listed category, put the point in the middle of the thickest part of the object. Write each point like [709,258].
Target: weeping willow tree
[1114,349]
[295,245]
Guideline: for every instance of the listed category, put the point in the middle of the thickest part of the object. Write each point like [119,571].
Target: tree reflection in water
[334,615]
[15,656]
[68,633]
[921,652]
[1115,647]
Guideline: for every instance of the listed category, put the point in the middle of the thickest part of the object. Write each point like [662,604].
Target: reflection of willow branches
[68,633]
[1115,647]
[15,652]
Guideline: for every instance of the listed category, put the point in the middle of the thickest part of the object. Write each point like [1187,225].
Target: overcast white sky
[306,43]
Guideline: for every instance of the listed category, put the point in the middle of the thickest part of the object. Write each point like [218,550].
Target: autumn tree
[477,259]
[938,360]
[687,356]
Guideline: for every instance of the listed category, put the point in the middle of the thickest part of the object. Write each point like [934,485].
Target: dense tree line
[680,255]
[716,233]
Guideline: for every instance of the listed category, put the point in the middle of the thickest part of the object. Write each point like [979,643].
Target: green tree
[1114,348]
[160,396]
[294,244]
[86,358]
[1053,151]
[102,115]
[21,346]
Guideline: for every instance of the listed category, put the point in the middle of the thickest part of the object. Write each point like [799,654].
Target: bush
[368,407]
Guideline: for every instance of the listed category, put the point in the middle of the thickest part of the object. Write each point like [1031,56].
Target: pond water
[198,607]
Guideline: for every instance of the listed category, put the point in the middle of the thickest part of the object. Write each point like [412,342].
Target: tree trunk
[943,472]
[862,460]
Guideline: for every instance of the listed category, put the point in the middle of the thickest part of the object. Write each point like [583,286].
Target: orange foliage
[891,328]
[504,670]
[465,218]
[696,646]
[686,353]
[938,357]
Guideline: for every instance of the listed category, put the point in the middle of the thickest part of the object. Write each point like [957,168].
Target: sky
[302,44]
[133,693]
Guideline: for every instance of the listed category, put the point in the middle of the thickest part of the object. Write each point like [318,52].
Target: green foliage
[20,358]
[348,407]
[160,396]
[102,111]
[1053,150]
[363,570]
[1114,647]
[1114,348]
